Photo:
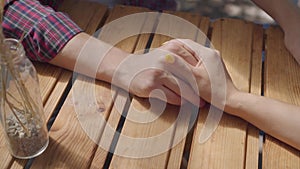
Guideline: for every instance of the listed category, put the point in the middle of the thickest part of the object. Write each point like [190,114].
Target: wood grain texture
[87,15]
[121,100]
[226,147]
[253,144]
[123,26]
[282,82]
[147,144]
[78,126]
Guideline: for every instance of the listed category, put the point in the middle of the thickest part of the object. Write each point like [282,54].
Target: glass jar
[22,114]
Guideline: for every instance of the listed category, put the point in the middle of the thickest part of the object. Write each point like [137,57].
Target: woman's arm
[287,14]
[279,119]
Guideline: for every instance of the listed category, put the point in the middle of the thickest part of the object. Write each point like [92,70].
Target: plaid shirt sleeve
[45,31]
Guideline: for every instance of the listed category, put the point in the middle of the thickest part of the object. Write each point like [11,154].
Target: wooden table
[257,61]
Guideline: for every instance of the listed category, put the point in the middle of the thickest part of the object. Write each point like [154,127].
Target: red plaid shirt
[46,31]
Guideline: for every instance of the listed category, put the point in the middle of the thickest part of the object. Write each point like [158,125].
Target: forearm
[90,56]
[285,12]
[281,120]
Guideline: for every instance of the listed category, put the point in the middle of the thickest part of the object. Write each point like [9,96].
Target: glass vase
[22,115]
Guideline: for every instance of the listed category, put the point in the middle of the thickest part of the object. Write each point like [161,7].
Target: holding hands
[214,85]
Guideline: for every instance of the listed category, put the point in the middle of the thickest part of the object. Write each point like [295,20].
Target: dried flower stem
[26,105]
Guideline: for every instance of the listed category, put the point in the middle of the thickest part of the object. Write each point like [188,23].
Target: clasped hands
[180,70]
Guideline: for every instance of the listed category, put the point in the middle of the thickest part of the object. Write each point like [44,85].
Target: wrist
[234,102]
[109,65]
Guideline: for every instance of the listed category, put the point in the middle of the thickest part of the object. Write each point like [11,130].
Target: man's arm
[51,36]
[95,58]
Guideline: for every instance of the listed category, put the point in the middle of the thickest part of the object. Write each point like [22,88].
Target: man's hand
[145,75]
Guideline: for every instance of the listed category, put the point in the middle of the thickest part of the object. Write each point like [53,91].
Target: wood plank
[105,143]
[57,93]
[123,26]
[47,75]
[70,145]
[282,81]
[145,152]
[226,147]
[253,143]
[128,44]
[87,15]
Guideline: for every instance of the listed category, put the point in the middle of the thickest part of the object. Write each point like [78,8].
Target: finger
[167,95]
[181,50]
[181,88]
[200,50]
[183,42]
[180,69]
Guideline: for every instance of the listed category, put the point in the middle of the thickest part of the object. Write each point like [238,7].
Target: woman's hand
[213,81]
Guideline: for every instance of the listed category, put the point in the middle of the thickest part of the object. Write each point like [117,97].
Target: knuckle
[217,52]
[172,47]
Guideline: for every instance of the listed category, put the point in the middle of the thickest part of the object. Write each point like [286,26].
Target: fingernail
[169,59]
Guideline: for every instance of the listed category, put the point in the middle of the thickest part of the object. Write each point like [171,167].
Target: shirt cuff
[47,38]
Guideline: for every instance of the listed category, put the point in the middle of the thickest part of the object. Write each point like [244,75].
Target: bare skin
[276,118]
[287,14]
[84,52]
[156,79]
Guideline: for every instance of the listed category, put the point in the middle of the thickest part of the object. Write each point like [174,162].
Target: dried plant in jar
[22,114]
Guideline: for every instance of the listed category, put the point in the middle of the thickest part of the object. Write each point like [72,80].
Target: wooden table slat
[226,147]
[282,81]
[69,131]
[87,15]
[252,151]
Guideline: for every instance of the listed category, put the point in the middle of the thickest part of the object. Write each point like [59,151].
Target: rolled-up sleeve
[45,30]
